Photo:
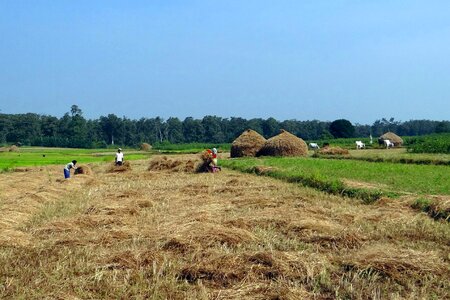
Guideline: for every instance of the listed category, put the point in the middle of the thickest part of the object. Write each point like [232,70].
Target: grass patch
[38,156]
[328,175]
[317,181]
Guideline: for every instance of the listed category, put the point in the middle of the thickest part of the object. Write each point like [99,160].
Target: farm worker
[215,167]
[67,168]
[119,157]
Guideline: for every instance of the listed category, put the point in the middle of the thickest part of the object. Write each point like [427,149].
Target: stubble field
[144,234]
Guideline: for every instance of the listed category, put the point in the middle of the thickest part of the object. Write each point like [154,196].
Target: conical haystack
[398,141]
[284,144]
[247,144]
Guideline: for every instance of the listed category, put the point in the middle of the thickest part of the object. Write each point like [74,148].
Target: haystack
[284,144]
[13,148]
[247,144]
[398,141]
[85,170]
[145,147]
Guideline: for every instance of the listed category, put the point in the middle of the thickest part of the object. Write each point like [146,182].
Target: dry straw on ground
[85,170]
[398,141]
[13,148]
[247,144]
[145,147]
[126,166]
[284,144]
[333,151]
[163,163]
[167,235]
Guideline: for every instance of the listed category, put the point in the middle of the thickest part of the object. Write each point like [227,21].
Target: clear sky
[287,59]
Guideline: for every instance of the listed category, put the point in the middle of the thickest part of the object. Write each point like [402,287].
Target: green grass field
[387,177]
[40,156]
[397,155]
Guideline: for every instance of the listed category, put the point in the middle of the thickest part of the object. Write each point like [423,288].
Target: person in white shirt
[67,168]
[119,157]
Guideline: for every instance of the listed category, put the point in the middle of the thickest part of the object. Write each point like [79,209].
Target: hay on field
[85,170]
[398,264]
[395,139]
[165,164]
[284,144]
[13,148]
[206,160]
[333,151]
[145,147]
[126,166]
[247,144]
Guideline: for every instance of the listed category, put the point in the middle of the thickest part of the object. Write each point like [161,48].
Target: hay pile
[165,164]
[126,166]
[395,263]
[333,151]
[85,170]
[398,141]
[284,144]
[145,147]
[205,164]
[247,144]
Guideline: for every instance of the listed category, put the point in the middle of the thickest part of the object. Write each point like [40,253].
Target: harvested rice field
[159,231]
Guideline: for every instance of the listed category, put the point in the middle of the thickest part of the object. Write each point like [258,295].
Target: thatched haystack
[284,144]
[13,148]
[145,147]
[126,166]
[333,151]
[85,170]
[247,144]
[398,141]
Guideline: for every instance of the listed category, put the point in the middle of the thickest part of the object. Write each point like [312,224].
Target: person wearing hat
[119,157]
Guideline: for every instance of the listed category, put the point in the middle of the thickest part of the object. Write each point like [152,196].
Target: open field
[390,177]
[177,235]
[41,156]
[396,155]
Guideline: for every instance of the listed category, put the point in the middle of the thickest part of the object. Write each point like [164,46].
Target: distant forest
[73,130]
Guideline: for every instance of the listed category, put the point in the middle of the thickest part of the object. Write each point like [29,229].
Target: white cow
[360,145]
[388,144]
[314,146]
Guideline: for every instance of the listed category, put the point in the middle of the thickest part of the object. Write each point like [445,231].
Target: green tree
[342,129]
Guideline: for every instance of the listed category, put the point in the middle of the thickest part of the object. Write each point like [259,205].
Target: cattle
[388,144]
[314,146]
[360,145]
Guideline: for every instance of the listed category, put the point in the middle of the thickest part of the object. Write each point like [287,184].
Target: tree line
[74,130]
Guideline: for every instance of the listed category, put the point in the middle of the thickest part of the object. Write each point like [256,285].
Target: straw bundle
[333,151]
[85,170]
[398,141]
[126,166]
[284,144]
[247,144]
[164,163]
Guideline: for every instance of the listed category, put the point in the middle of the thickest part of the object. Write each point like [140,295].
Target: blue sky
[304,60]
